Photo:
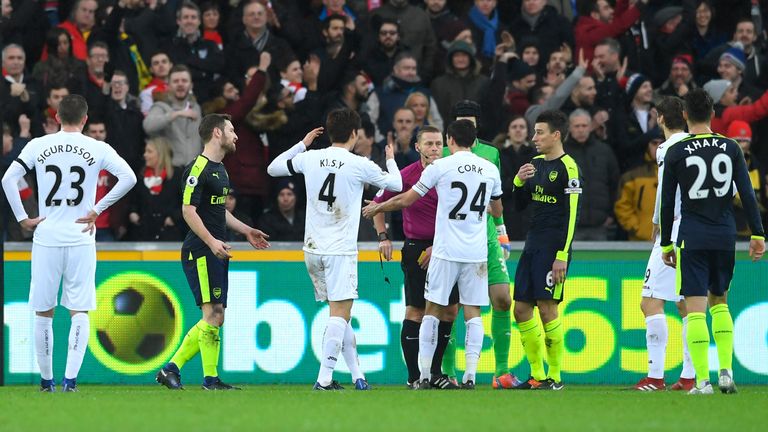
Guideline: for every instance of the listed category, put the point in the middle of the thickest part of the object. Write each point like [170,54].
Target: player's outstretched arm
[255,237]
[390,180]
[218,247]
[399,202]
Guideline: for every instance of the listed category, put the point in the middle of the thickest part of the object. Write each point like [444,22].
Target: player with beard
[204,254]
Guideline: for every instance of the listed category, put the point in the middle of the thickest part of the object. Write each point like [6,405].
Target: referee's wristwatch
[383,236]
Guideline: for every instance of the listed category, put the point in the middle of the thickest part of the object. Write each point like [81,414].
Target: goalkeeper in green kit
[498,278]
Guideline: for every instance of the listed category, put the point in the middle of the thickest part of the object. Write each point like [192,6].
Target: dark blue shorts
[207,275]
[533,277]
[700,271]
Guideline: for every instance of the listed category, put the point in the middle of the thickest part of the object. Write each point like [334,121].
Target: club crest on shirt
[552,176]
[192,181]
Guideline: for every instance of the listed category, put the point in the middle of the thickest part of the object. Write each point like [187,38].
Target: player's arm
[126,180]
[390,180]
[749,202]
[218,247]
[10,182]
[255,237]
[667,210]
[522,195]
[283,164]
[398,202]
[499,220]
[496,208]
[572,201]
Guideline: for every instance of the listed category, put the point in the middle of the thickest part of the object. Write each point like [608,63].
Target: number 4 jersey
[465,184]
[334,180]
[67,166]
[706,166]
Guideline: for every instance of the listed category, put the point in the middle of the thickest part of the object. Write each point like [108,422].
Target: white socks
[349,350]
[427,345]
[332,341]
[473,344]
[44,346]
[656,334]
[688,370]
[79,330]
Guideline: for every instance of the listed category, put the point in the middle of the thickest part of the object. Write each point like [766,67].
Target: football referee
[419,229]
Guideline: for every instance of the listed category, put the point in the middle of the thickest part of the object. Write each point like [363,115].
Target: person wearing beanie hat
[635,121]
[680,79]
[633,84]
[462,78]
[673,27]
[521,78]
[727,108]
[528,50]
[717,88]
[284,221]
[731,67]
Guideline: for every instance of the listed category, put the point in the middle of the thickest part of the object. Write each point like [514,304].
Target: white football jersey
[661,152]
[335,179]
[67,166]
[465,184]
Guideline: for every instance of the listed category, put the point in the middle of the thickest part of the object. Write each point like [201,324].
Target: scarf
[153,182]
[345,11]
[142,71]
[488,27]
[298,91]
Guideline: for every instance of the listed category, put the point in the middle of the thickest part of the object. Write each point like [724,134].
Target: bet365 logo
[138,323]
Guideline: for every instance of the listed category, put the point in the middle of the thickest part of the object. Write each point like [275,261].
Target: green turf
[577,408]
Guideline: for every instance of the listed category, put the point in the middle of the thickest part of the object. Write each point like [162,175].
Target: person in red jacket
[598,20]
[724,94]
[247,167]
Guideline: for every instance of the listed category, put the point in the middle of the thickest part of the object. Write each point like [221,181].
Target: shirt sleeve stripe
[290,167]
[26,168]
[195,172]
[420,189]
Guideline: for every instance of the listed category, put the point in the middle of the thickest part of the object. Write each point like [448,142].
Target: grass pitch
[386,408]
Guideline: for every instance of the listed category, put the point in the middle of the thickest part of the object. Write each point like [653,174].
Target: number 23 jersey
[334,180]
[67,166]
[465,184]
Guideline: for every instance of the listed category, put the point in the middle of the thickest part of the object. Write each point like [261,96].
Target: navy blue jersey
[706,166]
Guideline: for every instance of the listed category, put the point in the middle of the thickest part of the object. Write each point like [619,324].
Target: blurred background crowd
[150,69]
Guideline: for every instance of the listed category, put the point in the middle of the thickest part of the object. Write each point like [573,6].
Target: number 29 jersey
[706,167]
[67,166]
[465,184]
[334,180]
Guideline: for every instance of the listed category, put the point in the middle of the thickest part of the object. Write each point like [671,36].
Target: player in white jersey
[466,184]
[67,166]
[659,284]
[334,179]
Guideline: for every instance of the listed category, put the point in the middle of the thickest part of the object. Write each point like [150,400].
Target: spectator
[723,93]
[462,79]
[403,138]
[177,117]
[80,27]
[231,205]
[599,20]
[54,95]
[601,174]
[416,32]
[483,20]
[680,79]
[731,68]
[18,91]
[705,38]
[354,93]
[515,150]
[247,167]
[555,68]
[340,46]
[284,221]
[528,50]
[583,96]
[111,223]
[245,47]
[155,206]
[522,79]
[542,21]
[60,66]
[742,133]
[211,18]
[380,58]
[96,83]
[12,144]
[637,194]
[160,66]
[124,50]
[637,123]
[746,34]
[447,28]
[674,27]
[395,90]
[546,98]
[291,77]
[419,103]
[124,121]
[609,72]
[203,58]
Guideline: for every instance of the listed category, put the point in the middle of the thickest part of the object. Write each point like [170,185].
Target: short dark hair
[211,122]
[463,132]
[333,17]
[672,107]
[341,123]
[54,85]
[95,119]
[556,122]
[72,109]
[180,68]
[368,127]
[427,129]
[283,61]
[188,4]
[698,105]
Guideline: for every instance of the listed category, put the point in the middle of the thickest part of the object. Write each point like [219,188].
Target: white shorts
[74,267]
[472,278]
[659,281]
[334,276]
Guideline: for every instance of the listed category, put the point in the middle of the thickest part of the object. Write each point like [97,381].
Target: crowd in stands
[150,69]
